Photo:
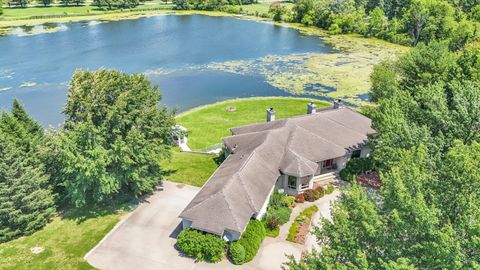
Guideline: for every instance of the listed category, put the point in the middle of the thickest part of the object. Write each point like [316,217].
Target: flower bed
[300,227]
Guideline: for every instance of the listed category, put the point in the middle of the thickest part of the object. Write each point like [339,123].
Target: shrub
[299,198]
[272,221]
[283,214]
[309,195]
[202,246]
[252,238]
[319,192]
[277,200]
[237,253]
[356,166]
[329,190]
[289,200]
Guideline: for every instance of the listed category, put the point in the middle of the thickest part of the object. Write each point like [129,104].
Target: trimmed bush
[319,192]
[251,240]
[236,253]
[329,189]
[309,195]
[202,246]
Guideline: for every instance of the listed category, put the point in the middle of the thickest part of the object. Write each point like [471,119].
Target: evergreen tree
[26,200]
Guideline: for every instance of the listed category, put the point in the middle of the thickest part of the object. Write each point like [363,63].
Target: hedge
[251,240]
[202,246]
[236,253]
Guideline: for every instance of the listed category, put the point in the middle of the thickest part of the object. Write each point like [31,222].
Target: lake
[174,51]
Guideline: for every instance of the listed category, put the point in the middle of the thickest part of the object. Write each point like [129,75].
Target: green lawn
[209,124]
[65,241]
[189,168]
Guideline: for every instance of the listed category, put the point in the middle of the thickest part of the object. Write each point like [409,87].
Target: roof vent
[311,108]
[270,115]
[337,104]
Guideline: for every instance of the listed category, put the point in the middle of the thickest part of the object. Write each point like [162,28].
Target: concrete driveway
[145,238]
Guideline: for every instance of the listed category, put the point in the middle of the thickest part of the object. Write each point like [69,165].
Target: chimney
[337,104]
[311,108]
[270,115]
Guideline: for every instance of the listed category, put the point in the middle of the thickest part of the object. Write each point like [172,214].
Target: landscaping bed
[300,227]
[278,212]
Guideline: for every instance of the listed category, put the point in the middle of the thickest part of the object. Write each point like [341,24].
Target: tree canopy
[427,150]
[114,136]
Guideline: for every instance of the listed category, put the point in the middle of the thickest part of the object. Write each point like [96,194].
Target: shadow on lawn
[81,214]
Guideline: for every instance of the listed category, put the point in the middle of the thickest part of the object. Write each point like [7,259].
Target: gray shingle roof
[260,152]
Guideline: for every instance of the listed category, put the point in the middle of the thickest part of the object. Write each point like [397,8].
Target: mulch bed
[370,179]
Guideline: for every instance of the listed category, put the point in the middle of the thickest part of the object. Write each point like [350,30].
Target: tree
[18,3]
[277,9]
[26,199]
[377,23]
[427,149]
[114,136]
[45,3]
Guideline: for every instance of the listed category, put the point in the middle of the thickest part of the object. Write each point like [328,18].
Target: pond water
[173,51]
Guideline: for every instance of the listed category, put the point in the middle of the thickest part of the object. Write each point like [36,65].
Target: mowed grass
[65,241]
[189,168]
[209,124]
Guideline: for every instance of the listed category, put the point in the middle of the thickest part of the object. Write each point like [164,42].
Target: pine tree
[26,200]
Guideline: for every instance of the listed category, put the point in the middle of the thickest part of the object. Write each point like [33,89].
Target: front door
[327,164]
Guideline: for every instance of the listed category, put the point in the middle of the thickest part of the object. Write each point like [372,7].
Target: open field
[207,125]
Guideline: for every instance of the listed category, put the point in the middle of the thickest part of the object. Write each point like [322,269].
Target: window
[356,153]
[292,182]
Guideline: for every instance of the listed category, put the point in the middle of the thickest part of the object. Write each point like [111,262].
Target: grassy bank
[207,125]
[64,241]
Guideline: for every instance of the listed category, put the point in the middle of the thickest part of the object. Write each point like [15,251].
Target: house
[289,154]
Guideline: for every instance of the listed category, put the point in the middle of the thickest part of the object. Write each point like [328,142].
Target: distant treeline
[110,4]
[405,22]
